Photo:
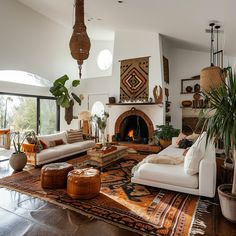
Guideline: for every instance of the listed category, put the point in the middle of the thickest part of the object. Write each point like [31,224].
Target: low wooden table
[103,158]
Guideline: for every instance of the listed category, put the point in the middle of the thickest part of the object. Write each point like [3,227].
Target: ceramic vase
[18,161]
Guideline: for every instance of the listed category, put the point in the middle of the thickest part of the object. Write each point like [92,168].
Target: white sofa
[58,152]
[173,177]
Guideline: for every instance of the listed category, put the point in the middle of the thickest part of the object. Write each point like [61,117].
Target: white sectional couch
[174,177]
[58,152]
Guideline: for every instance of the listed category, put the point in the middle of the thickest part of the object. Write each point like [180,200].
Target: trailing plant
[165,132]
[220,118]
[64,95]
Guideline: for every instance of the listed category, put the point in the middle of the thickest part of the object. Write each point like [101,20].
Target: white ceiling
[182,21]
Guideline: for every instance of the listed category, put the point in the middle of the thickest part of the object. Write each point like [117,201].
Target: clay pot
[189,89]
[165,143]
[187,103]
[227,202]
[18,161]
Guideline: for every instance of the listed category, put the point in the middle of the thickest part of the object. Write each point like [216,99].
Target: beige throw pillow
[194,156]
[74,136]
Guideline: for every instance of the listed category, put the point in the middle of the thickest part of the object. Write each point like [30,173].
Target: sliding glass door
[20,112]
[48,116]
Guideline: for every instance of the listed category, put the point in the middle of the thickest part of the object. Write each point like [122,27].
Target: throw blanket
[160,159]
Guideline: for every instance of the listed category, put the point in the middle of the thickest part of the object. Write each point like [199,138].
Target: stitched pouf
[55,175]
[83,183]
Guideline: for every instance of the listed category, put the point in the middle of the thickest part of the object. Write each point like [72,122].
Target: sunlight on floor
[5,154]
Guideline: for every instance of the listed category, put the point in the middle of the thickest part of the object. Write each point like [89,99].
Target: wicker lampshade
[79,42]
[84,115]
[211,77]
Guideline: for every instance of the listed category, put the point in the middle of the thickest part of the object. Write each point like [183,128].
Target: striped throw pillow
[74,136]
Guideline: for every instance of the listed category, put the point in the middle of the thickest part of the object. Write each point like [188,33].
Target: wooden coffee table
[101,159]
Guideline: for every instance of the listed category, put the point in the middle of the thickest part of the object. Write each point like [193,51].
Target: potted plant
[164,134]
[220,123]
[101,122]
[18,158]
[65,96]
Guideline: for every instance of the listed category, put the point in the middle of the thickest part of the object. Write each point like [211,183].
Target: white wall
[33,43]
[185,64]
[92,69]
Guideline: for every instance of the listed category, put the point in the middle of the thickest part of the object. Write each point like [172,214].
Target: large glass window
[26,112]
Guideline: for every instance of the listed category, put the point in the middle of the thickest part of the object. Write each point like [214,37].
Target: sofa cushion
[194,155]
[48,154]
[167,174]
[52,137]
[74,136]
[76,147]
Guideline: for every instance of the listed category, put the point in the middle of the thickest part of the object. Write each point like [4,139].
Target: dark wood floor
[24,215]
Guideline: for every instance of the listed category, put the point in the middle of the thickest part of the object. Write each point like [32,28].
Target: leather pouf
[55,175]
[83,183]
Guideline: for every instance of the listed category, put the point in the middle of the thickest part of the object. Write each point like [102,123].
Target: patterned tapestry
[134,79]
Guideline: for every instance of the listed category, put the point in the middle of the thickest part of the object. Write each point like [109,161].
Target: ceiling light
[211,77]
[79,42]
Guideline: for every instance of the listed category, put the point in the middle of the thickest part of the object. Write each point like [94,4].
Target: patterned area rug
[145,210]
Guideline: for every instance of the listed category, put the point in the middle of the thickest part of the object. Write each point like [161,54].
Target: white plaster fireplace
[153,114]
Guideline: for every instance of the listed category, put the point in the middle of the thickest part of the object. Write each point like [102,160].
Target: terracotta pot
[227,202]
[165,143]
[18,161]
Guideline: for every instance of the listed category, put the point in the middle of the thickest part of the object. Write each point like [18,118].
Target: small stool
[55,175]
[83,183]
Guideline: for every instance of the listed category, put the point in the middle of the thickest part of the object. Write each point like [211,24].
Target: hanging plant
[65,97]
[63,94]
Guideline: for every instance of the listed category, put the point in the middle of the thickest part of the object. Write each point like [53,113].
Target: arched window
[104,59]
[98,108]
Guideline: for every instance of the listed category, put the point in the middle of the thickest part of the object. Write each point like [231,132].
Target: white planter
[18,161]
[227,202]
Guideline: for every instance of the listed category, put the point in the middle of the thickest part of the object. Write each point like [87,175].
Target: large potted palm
[220,123]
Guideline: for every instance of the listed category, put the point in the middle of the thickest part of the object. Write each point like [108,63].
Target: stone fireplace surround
[152,114]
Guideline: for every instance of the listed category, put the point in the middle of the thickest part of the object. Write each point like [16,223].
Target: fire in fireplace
[134,129]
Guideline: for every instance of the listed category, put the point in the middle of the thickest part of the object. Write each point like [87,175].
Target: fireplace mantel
[134,104]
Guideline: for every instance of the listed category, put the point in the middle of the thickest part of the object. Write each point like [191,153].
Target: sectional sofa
[176,177]
[57,152]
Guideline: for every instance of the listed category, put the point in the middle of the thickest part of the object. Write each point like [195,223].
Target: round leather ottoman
[83,183]
[55,175]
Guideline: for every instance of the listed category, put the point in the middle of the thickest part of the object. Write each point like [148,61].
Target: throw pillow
[185,143]
[52,143]
[193,137]
[59,142]
[195,155]
[179,138]
[74,136]
[38,146]
[45,146]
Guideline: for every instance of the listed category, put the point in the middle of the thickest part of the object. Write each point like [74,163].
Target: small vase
[18,161]
[103,137]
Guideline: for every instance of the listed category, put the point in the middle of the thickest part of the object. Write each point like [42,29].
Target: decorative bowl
[186,103]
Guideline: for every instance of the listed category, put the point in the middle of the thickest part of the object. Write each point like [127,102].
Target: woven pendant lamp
[79,42]
[211,77]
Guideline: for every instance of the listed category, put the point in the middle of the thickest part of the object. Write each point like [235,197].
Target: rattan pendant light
[211,77]
[79,42]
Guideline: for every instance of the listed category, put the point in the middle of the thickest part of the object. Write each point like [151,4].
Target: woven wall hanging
[134,79]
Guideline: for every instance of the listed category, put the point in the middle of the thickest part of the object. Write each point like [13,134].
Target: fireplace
[133,126]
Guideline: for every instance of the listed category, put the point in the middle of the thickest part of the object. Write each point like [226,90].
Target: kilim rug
[145,210]
[134,79]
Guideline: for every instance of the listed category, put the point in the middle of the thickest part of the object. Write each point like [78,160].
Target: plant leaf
[75,83]
[62,80]
[77,99]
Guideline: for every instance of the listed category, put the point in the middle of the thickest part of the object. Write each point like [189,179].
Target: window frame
[38,98]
